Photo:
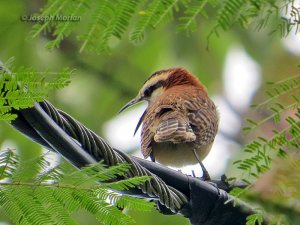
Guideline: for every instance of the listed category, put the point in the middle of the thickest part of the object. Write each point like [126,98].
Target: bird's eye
[148,91]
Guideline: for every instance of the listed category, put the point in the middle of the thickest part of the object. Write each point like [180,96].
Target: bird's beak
[132,102]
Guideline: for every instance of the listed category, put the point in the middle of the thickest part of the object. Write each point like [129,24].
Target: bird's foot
[205,175]
[224,179]
[193,173]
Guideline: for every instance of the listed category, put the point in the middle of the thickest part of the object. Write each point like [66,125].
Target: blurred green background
[102,84]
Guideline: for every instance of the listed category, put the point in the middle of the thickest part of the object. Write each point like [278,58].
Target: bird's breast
[179,154]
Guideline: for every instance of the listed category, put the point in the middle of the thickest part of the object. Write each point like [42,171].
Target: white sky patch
[216,161]
[52,157]
[119,130]
[4,223]
[292,43]
[8,144]
[242,78]
[229,123]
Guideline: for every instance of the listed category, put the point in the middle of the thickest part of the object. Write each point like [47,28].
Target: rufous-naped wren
[180,122]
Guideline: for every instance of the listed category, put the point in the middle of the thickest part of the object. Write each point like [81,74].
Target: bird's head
[162,80]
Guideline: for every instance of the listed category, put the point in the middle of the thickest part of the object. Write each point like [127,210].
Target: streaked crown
[164,79]
[161,80]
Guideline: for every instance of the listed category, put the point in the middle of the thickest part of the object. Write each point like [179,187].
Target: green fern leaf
[123,201]
[53,8]
[118,23]
[188,22]
[22,87]
[63,29]
[24,186]
[147,19]
[100,18]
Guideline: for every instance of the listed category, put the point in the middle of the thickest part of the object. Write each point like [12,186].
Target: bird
[180,122]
